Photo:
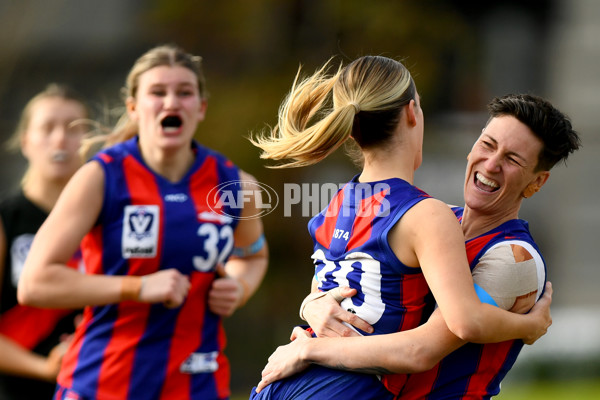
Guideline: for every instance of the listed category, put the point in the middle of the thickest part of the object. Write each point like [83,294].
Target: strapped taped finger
[336,293]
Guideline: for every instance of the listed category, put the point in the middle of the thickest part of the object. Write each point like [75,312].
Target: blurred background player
[157,242]
[48,135]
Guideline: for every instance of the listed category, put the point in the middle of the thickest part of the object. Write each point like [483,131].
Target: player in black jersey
[48,135]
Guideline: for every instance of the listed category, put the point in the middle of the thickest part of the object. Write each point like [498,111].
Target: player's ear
[202,109]
[536,184]
[131,108]
[411,113]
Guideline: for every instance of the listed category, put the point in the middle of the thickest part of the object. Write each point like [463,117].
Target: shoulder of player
[508,273]
[86,183]
[431,220]
[432,210]
[520,251]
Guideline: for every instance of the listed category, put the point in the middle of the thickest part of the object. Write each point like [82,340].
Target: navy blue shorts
[318,382]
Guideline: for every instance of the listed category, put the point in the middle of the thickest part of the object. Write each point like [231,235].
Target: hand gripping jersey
[475,371]
[36,329]
[134,350]
[351,249]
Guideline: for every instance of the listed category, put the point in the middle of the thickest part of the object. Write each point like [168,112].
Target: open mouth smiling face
[485,184]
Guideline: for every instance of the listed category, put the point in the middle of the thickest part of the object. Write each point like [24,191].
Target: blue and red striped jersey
[134,350]
[475,371]
[351,249]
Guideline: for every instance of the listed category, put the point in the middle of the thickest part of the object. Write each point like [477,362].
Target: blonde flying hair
[362,100]
[164,55]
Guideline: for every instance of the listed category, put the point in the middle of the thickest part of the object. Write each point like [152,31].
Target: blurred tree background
[461,53]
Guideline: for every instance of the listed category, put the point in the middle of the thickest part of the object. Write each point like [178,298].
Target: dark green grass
[552,390]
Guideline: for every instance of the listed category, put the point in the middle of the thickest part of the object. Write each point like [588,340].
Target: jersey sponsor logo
[198,363]
[176,198]
[140,231]
[18,254]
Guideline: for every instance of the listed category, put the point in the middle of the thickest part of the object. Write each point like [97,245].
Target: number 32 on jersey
[214,234]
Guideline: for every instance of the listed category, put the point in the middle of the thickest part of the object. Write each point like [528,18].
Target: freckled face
[501,165]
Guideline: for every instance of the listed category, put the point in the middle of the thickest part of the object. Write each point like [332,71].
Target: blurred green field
[554,390]
[551,390]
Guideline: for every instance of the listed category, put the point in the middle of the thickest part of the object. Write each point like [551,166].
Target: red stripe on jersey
[394,383]
[119,354]
[222,375]
[91,249]
[191,316]
[204,180]
[69,361]
[362,227]
[105,157]
[28,326]
[202,185]
[474,246]
[491,360]
[324,233]
[414,290]
[419,388]
[118,360]
[60,391]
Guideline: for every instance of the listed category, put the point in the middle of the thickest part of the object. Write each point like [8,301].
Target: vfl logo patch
[140,231]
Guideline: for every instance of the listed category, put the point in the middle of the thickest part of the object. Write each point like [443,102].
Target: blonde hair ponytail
[308,128]
[362,100]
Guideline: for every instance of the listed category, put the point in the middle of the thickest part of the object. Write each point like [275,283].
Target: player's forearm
[250,271]
[19,361]
[411,351]
[344,354]
[474,321]
[58,286]
[497,325]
